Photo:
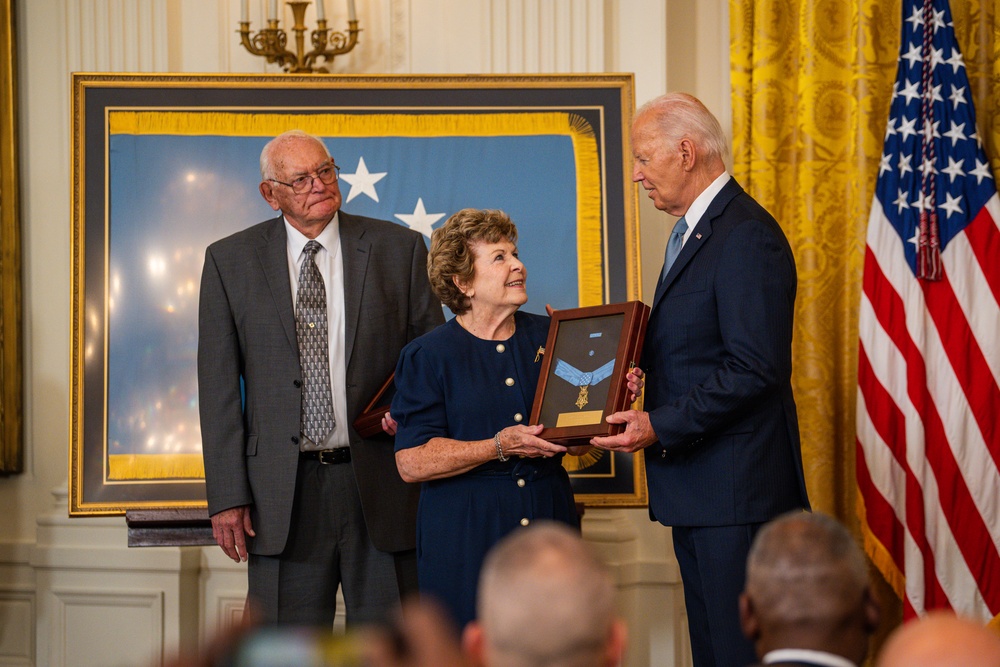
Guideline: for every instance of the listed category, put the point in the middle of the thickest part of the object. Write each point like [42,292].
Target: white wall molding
[100,602]
[545,36]
[85,618]
[222,590]
[116,35]
[17,631]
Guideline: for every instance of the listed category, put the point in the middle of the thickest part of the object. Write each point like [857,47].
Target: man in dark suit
[720,432]
[808,601]
[297,491]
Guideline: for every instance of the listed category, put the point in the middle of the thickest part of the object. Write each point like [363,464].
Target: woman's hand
[524,441]
[636,381]
[443,457]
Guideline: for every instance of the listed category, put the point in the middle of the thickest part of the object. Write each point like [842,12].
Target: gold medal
[582,399]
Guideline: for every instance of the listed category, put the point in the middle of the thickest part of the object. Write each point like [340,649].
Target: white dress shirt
[698,207]
[808,656]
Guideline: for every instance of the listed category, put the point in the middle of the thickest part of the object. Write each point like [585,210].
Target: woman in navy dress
[463,398]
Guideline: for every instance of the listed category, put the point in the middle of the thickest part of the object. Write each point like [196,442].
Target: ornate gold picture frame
[165,164]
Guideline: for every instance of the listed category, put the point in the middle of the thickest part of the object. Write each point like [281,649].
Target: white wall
[64,583]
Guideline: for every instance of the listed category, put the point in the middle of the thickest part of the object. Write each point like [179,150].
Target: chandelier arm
[272,42]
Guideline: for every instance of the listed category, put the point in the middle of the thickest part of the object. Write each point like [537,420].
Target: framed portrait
[163,165]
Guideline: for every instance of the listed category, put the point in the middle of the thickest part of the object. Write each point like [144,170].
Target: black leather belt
[329,456]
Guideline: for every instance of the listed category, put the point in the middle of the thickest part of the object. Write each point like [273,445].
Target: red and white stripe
[928,418]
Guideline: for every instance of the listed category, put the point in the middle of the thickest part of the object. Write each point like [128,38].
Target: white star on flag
[956,132]
[957,95]
[954,168]
[907,128]
[913,55]
[904,164]
[910,91]
[901,201]
[955,61]
[951,204]
[885,164]
[420,220]
[981,171]
[362,181]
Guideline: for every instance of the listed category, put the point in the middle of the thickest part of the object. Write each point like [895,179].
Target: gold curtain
[811,87]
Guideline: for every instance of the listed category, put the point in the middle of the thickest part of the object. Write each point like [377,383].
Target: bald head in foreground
[545,600]
[807,592]
[941,639]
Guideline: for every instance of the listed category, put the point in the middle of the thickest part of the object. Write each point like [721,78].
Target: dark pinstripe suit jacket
[718,358]
[247,331]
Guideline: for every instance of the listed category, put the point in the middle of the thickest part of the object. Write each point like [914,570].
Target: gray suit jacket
[247,350]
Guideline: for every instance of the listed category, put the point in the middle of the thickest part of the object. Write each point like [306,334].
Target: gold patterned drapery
[811,87]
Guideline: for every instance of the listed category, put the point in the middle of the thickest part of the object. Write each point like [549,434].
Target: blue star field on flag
[933,160]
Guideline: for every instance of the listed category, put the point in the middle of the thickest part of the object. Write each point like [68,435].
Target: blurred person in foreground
[808,600]
[719,430]
[464,394]
[941,639]
[545,600]
[301,320]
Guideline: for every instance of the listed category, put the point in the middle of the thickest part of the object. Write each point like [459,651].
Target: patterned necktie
[314,349]
[674,245]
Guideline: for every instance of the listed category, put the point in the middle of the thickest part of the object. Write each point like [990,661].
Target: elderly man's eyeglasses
[326,173]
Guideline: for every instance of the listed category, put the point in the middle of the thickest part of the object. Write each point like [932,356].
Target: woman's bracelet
[496,441]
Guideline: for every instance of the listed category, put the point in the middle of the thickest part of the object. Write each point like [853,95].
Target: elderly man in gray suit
[301,319]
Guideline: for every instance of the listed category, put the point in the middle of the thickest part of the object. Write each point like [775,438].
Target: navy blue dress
[452,384]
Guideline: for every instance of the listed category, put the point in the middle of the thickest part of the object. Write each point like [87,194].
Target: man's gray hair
[545,599]
[266,166]
[805,567]
[680,116]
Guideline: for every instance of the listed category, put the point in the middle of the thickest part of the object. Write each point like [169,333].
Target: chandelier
[272,42]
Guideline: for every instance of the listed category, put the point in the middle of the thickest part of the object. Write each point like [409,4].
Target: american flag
[928,405]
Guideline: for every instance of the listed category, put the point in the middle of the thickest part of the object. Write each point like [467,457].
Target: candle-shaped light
[272,10]
[351,14]
[320,10]
[245,11]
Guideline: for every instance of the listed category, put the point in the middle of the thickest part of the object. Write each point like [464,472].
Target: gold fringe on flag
[589,205]
[122,467]
[879,555]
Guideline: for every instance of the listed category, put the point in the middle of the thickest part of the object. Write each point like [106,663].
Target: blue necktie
[674,245]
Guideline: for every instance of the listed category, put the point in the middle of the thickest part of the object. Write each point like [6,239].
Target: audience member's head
[807,588]
[941,639]
[545,600]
